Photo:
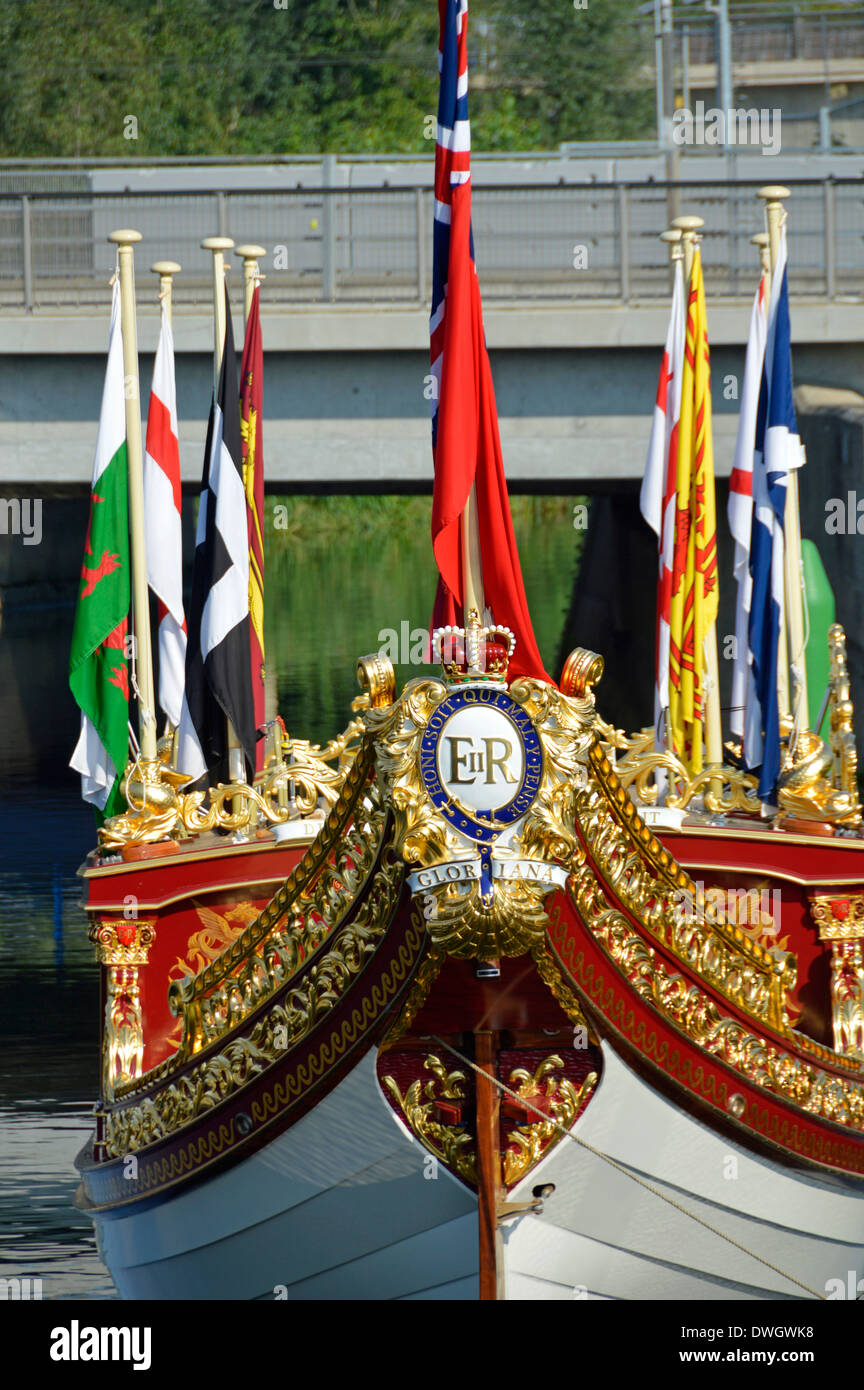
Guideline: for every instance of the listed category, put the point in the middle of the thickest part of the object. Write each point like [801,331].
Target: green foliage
[340,572]
[297,76]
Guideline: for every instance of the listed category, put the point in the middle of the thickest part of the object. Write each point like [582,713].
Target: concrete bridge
[346,393]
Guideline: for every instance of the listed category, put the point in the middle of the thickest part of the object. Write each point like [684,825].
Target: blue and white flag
[778,449]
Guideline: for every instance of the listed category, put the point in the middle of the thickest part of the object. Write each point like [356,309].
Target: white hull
[343,1206]
[336,1208]
[601,1235]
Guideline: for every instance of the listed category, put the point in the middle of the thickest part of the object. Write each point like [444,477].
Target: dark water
[337,578]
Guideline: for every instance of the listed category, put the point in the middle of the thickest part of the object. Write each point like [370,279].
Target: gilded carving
[298,778]
[283,1025]
[645,771]
[839,916]
[843,746]
[462,918]
[122,945]
[531,1141]
[816,782]
[450,1144]
[304,912]
[847,997]
[696,1014]
[427,973]
[663,897]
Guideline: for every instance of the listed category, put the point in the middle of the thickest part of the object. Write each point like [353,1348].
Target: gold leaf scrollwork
[283,1025]
[450,1144]
[460,918]
[530,1142]
[756,1057]
[159,809]
[645,770]
[666,901]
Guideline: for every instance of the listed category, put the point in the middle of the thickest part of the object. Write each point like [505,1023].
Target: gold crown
[475,652]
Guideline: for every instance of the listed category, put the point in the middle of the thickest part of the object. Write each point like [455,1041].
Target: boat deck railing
[567,242]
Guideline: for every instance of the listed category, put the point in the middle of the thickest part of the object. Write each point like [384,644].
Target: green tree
[306,76]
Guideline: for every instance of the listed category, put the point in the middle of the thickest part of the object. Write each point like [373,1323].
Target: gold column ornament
[840,920]
[843,746]
[121,947]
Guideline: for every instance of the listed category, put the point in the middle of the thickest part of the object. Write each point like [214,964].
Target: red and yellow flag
[694,566]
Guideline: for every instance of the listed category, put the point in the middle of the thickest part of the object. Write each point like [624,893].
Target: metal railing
[790,37]
[568,243]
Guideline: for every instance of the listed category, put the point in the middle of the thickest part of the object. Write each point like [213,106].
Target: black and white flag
[218,683]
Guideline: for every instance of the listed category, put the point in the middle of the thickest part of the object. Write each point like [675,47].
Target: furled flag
[218,687]
[251,372]
[778,449]
[98,674]
[693,606]
[465,440]
[657,498]
[163,524]
[740,508]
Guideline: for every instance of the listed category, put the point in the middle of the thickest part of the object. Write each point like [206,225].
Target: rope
[649,1187]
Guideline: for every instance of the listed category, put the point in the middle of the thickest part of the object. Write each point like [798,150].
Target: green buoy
[821,612]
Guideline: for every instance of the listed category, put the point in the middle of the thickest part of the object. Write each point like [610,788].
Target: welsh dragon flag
[98,675]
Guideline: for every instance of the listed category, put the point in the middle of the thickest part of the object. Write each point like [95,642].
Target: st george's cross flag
[98,672]
[657,497]
[163,509]
[218,686]
[740,506]
[251,372]
[778,449]
[465,440]
[693,606]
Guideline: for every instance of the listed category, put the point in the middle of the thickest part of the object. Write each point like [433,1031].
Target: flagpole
[672,238]
[166,270]
[773,195]
[251,274]
[712,723]
[219,245]
[124,241]
[472,569]
[762,241]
